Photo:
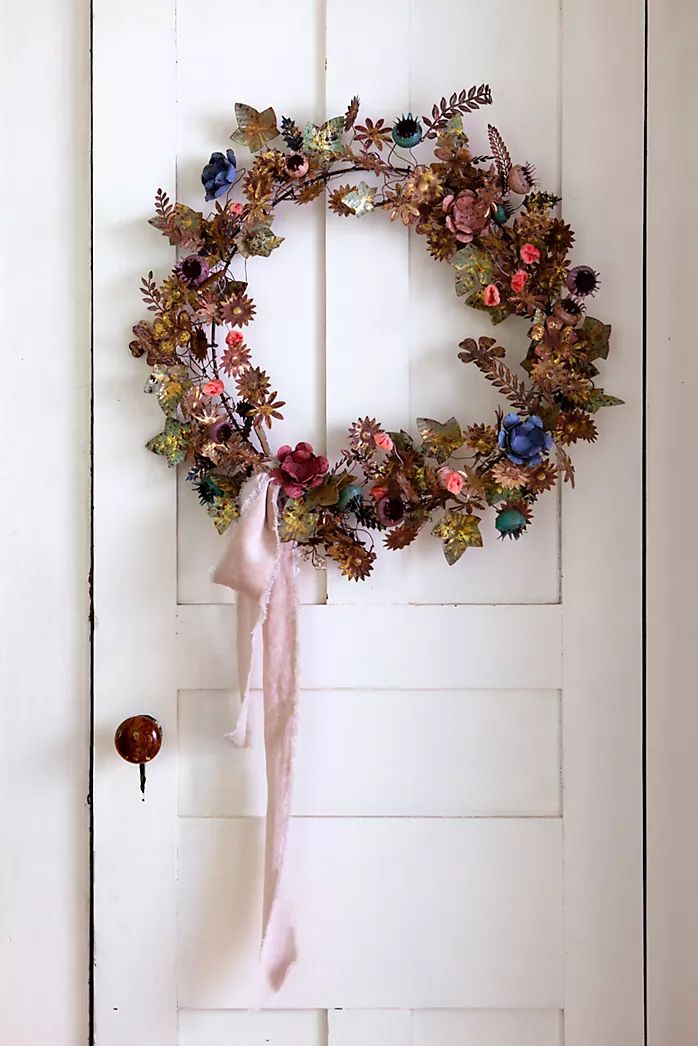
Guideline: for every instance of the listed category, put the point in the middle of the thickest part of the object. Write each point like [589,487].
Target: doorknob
[138,740]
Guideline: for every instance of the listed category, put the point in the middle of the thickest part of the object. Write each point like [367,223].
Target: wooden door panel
[402,647]
[407,912]
[381,753]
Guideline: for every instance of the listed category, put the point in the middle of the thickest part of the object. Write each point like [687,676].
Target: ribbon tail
[248,617]
[279,949]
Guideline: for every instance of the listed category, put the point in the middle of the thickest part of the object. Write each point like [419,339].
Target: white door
[466,845]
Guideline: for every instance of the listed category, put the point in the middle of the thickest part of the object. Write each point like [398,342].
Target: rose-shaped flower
[450,480]
[299,469]
[491,295]
[193,270]
[529,254]
[524,440]
[519,281]
[235,208]
[219,174]
[383,441]
[468,215]
[213,387]
[234,339]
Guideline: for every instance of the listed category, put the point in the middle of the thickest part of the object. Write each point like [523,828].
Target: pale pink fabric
[262,570]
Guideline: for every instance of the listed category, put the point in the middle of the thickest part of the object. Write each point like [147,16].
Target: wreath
[508,248]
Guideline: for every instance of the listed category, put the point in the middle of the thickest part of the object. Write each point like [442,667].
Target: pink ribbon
[262,570]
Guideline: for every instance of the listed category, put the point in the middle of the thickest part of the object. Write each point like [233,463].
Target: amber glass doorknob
[138,740]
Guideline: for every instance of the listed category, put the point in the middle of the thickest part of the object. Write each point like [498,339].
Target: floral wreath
[509,249]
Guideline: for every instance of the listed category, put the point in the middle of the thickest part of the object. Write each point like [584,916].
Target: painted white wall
[672,576]
[44,522]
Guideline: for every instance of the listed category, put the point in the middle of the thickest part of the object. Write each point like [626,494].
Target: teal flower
[407,131]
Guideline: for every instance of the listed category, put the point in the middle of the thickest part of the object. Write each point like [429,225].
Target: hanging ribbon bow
[261,569]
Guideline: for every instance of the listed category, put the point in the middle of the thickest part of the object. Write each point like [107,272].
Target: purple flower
[390,511]
[524,441]
[193,270]
[219,174]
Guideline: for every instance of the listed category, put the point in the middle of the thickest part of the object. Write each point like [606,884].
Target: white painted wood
[239,1028]
[392,913]
[287,336]
[672,573]
[134,532]
[367,369]
[405,912]
[602,162]
[465,641]
[380,753]
[400,360]
[369,1027]
[487,1028]
[44,523]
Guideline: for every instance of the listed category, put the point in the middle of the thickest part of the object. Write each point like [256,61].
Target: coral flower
[491,295]
[529,254]
[234,339]
[451,480]
[213,388]
[519,281]
[379,492]
[235,208]
[383,441]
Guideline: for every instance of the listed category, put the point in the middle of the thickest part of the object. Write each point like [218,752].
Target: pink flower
[519,281]
[299,469]
[383,441]
[213,388]
[451,480]
[468,214]
[234,338]
[491,295]
[235,209]
[529,254]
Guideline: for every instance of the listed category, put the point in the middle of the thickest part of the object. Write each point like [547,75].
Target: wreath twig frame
[508,248]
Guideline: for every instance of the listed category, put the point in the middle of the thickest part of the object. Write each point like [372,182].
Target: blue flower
[219,174]
[524,441]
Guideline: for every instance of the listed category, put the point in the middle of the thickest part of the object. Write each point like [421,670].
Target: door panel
[447,889]
[407,912]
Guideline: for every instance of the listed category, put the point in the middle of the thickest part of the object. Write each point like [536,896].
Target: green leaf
[257,241]
[598,399]
[169,384]
[172,442]
[296,521]
[360,200]
[440,439]
[326,495]
[324,143]
[458,532]
[596,336]
[474,269]
[225,508]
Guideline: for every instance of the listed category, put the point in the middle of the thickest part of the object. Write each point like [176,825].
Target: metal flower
[193,270]
[407,131]
[524,441]
[219,174]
